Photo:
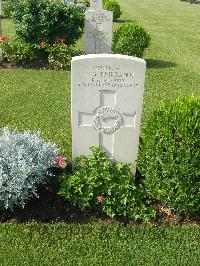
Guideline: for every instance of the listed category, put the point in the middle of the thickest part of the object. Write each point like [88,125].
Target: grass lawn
[40,100]
[95,244]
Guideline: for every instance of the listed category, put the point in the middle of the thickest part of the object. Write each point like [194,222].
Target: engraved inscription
[98,17]
[108,77]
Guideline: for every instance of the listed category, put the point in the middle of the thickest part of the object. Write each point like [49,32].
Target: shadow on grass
[125,21]
[154,63]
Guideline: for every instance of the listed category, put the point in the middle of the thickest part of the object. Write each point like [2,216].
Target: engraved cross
[106,119]
[99,37]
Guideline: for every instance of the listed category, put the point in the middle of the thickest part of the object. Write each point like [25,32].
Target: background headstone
[107,97]
[1,55]
[98,29]
[96,5]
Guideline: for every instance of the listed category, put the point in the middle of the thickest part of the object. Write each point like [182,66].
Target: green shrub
[48,21]
[169,155]
[16,51]
[131,39]
[7,7]
[99,181]
[192,1]
[40,24]
[113,5]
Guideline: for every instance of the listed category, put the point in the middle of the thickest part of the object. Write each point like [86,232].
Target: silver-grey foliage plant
[25,160]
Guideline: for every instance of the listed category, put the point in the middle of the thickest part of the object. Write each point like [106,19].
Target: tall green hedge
[169,156]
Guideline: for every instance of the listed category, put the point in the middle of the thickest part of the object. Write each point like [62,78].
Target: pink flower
[60,162]
[54,44]
[62,40]
[100,199]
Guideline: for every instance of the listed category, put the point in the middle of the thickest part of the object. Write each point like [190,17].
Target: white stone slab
[95,5]
[107,97]
[1,55]
[98,32]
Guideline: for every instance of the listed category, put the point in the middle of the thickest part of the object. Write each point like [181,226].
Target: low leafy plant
[131,39]
[25,160]
[110,185]
[114,6]
[169,156]
[16,51]
[59,56]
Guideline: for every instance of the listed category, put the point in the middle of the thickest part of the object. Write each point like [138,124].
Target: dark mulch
[34,64]
[51,208]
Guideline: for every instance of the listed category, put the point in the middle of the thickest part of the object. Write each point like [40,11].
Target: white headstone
[96,5]
[98,29]
[107,97]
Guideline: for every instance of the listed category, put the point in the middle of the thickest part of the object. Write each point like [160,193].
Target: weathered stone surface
[107,96]
[1,55]
[98,32]
[95,5]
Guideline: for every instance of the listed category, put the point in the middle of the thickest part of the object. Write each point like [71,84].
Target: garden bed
[51,208]
[29,65]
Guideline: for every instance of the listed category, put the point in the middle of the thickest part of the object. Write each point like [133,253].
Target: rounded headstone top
[106,56]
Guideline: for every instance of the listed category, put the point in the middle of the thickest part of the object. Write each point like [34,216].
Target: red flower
[60,162]
[100,199]
[4,38]
[42,44]
[62,40]
[54,44]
